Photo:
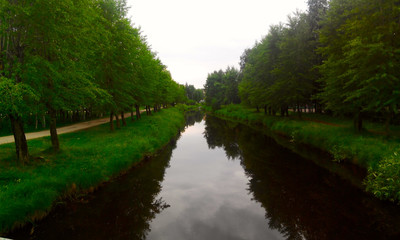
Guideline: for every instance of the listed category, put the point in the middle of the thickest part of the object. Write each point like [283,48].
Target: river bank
[371,151]
[87,158]
[221,180]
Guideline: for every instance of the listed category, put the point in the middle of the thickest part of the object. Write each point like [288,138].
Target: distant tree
[196,95]
[215,89]
[231,81]
[222,87]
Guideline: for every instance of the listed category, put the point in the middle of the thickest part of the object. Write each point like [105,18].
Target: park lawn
[86,159]
[370,149]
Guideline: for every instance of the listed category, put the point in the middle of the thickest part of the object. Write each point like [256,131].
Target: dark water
[222,180]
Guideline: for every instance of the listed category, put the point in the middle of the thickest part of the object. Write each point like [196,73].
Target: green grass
[370,150]
[87,158]
[186,108]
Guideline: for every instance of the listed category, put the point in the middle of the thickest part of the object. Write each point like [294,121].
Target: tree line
[58,58]
[222,88]
[340,57]
[194,95]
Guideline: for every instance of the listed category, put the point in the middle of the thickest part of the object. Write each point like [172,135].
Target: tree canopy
[339,57]
[67,56]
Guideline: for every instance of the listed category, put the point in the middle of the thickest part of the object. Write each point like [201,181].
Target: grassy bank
[371,149]
[87,158]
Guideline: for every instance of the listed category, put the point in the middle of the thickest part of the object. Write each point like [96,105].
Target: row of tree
[222,87]
[194,95]
[63,56]
[341,57]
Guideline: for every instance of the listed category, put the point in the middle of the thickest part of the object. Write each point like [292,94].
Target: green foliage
[222,87]
[16,97]
[384,180]
[88,158]
[193,94]
[76,55]
[359,42]
[279,71]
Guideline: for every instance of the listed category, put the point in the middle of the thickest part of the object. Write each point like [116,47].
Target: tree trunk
[258,109]
[117,121]
[53,130]
[36,121]
[44,121]
[137,112]
[112,121]
[132,115]
[123,119]
[298,111]
[21,145]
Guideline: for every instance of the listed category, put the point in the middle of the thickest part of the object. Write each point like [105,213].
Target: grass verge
[373,151]
[87,158]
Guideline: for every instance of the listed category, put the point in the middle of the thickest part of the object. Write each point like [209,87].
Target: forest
[339,57]
[75,59]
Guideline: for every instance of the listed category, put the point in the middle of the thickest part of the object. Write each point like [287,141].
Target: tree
[214,89]
[231,81]
[360,73]
[13,34]
[294,81]
[55,64]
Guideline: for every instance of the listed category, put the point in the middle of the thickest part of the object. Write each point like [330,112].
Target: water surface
[223,180]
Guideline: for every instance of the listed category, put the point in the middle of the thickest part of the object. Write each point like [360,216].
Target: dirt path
[62,130]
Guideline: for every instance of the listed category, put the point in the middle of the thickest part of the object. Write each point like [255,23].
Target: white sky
[194,38]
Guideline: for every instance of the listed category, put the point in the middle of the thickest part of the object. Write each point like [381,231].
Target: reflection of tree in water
[222,134]
[122,209]
[301,200]
[193,117]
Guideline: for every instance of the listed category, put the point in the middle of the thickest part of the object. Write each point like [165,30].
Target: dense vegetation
[222,87]
[63,59]
[340,57]
[194,95]
[88,158]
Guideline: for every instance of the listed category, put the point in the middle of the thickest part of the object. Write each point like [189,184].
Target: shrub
[384,181]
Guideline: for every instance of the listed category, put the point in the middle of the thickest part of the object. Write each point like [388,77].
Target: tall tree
[359,73]
[56,63]
[14,18]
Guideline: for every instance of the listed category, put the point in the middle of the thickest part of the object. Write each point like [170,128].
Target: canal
[222,180]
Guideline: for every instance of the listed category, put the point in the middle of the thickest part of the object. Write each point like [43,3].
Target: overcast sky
[194,38]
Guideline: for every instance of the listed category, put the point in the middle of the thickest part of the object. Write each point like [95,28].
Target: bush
[384,181]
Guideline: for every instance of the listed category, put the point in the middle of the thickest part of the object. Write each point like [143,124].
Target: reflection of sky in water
[208,196]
